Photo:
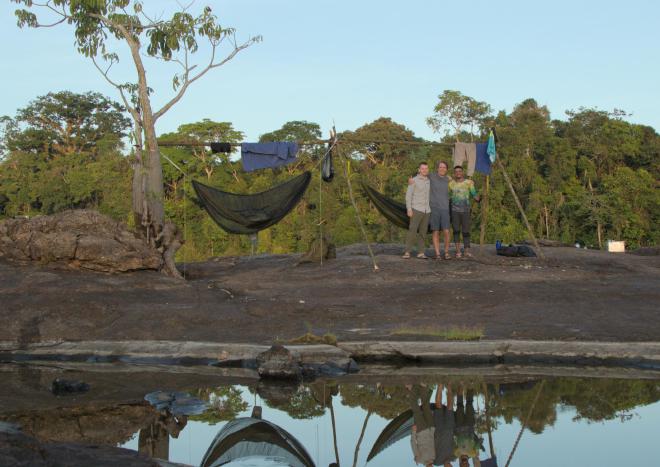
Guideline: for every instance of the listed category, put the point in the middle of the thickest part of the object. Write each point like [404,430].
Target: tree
[458,113]
[65,123]
[298,130]
[174,40]
[62,151]
[198,159]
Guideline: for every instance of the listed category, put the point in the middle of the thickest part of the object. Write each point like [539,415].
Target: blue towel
[264,155]
[483,161]
[492,153]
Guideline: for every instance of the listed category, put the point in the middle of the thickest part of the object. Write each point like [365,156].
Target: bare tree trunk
[149,197]
[599,227]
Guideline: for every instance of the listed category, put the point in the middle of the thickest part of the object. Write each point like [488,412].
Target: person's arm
[473,192]
[409,198]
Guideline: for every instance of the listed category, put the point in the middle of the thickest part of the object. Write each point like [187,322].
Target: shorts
[440,219]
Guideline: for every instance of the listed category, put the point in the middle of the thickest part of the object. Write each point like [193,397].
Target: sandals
[467,254]
[406,256]
[458,255]
[422,256]
[447,255]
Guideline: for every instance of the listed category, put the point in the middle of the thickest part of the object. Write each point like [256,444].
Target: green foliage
[225,403]
[62,151]
[455,113]
[592,171]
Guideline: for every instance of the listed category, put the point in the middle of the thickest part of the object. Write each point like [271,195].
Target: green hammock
[393,211]
[248,214]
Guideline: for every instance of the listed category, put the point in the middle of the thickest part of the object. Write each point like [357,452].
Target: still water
[558,422]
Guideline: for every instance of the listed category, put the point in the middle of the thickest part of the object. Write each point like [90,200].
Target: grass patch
[454,333]
[311,338]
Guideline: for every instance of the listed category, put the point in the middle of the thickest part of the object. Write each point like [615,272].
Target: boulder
[82,239]
[17,448]
[278,362]
[64,386]
[330,368]
[321,249]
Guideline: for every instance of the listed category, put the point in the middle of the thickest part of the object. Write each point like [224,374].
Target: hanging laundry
[465,152]
[327,170]
[492,153]
[483,161]
[220,147]
[264,155]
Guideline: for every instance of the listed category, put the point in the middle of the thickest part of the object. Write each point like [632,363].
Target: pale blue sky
[354,61]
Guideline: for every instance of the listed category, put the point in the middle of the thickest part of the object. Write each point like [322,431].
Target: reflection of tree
[512,401]
[299,402]
[386,401]
[607,399]
[593,399]
[225,403]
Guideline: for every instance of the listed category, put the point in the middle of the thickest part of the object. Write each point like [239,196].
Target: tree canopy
[590,176]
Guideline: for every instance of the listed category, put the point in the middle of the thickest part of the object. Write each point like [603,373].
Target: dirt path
[574,295]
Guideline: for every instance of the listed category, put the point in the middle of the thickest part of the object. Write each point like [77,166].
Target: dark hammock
[393,211]
[248,214]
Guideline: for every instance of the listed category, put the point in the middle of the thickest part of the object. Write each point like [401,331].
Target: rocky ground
[573,295]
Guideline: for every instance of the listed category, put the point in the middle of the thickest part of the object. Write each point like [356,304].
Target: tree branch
[187,82]
[131,109]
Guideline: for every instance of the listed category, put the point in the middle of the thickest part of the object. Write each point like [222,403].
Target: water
[568,421]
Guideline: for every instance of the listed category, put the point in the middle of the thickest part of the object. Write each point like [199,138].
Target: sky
[350,62]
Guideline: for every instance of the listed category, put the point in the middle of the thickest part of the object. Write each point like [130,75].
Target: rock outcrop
[80,239]
[18,448]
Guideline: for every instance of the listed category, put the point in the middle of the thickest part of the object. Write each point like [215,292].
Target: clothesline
[315,142]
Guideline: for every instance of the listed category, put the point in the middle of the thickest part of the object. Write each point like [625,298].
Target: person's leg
[436,242]
[413,226]
[465,226]
[446,240]
[469,408]
[438,396]
[445,224]
[460,408]
[450,398]
[425,396]
[419,417]
[422,231]
[456,226]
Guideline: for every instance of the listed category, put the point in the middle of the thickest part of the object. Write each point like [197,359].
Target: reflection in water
[449,421]
[250,439]
[154,440]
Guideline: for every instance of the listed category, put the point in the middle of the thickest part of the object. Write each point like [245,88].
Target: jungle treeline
[588,177]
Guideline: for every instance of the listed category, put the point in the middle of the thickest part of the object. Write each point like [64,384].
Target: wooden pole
[520,208]
[334,431]
[357,213]
[357,446]
[484,213]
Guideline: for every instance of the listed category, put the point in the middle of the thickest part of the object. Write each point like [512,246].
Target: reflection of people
[443,416]
[467,442]
[419,210]
[423,430]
